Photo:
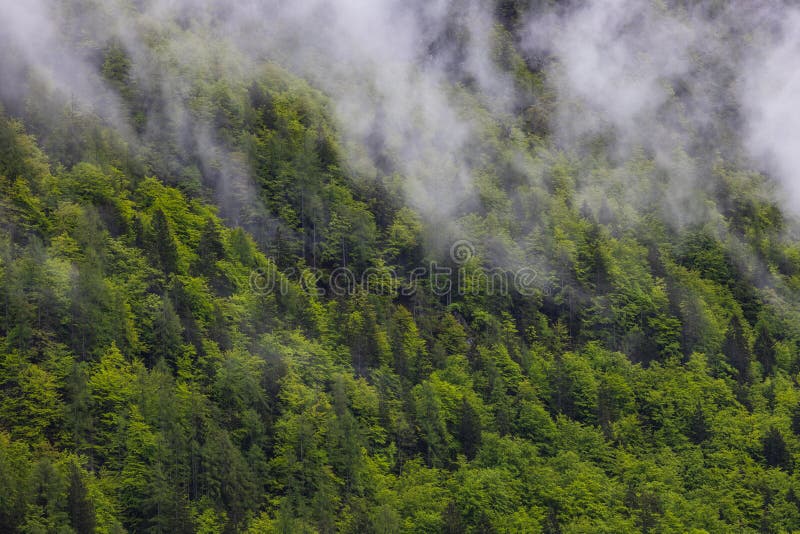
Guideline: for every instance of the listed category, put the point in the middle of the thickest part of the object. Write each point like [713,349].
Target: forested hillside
[232,301]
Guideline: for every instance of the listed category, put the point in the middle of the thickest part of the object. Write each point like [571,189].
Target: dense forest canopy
[426,266]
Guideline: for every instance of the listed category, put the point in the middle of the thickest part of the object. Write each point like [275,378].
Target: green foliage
[150,382]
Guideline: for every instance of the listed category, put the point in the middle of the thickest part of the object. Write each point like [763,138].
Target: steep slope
[238,316]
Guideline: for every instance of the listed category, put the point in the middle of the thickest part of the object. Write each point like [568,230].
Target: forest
[176,350]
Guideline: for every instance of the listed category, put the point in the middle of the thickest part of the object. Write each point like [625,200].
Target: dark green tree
[764,346]
[79,503]
[776,453]
[736,349]
[163,244]
[469,429]
[210,249]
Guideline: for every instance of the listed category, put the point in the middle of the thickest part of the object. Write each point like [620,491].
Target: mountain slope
[234,314]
